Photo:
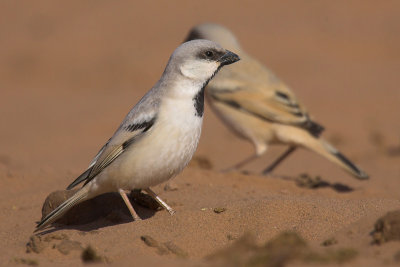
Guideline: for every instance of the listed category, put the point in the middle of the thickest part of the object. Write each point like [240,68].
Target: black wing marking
[80,179]
[102,161]
[314,128]
[91,172]
[138,126]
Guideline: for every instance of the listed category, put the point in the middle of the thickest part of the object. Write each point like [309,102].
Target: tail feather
[335,156]
[360,173]
[79,196]
[297,136]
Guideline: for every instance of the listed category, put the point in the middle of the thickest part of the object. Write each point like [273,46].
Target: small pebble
[219,210]
[148,240]
[329,242]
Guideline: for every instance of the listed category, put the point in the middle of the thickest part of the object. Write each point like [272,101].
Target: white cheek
[199,69]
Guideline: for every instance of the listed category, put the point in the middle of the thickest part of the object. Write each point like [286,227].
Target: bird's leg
[129,205]
[241,163]
[160,201]
[279,160]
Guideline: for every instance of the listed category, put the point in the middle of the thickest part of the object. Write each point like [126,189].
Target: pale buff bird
[159,135]
[259,107]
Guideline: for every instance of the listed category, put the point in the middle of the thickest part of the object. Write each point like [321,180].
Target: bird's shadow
[104,210]
[307,181]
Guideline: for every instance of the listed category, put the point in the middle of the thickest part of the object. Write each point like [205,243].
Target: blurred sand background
[70,71]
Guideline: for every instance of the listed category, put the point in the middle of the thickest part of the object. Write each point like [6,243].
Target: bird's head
[199,60]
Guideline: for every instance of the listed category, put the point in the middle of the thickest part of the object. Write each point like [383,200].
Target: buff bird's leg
[160,201]
[129,205]
[241,163]
[279,160]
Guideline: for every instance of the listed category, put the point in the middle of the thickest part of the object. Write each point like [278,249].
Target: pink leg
[160,201]
[129,205]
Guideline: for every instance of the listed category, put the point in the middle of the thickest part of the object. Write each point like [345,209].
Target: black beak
[228,58]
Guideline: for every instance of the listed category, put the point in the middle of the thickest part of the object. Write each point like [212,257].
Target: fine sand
[70,72]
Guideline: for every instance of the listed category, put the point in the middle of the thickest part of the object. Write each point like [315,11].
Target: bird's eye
[209,53]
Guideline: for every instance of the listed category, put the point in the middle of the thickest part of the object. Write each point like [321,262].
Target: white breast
[164,150]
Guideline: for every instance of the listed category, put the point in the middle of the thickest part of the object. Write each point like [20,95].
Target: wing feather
[138,121]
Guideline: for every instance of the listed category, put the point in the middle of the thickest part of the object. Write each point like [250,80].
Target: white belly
[163,151]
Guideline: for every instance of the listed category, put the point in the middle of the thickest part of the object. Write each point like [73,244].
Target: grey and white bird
[259,107]
[159,136]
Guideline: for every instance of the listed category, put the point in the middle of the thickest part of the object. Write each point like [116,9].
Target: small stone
[219,210]
[55,199]
[329,242]
[148,240]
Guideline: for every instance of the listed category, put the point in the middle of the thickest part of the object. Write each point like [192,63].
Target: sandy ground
[69,72]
